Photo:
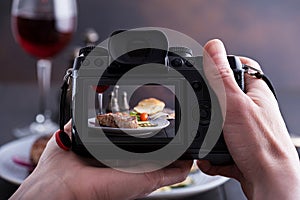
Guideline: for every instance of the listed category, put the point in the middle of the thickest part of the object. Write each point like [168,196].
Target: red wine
[100,88]
[43,38]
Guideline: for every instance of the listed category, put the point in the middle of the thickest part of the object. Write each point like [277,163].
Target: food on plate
[194,167]
[117,120]
[149,106]
[144,116]
[187,182]
[142,119]
[37,148]
[146,124]
[139,116]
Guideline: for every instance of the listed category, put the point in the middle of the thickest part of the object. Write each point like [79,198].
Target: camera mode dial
[181,51]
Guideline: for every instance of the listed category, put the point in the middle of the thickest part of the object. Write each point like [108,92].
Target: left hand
[64,175]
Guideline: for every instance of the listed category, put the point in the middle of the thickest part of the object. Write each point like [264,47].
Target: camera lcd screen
[140,111]
[177,123]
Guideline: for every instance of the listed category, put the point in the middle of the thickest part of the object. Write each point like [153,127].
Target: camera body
[151,69]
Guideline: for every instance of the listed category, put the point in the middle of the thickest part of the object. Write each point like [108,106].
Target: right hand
[266,161]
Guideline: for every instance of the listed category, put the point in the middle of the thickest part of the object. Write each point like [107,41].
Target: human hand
[266,162]
[63,175]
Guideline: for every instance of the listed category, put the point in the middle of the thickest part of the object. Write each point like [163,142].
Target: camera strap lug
[68,76]
[252,71]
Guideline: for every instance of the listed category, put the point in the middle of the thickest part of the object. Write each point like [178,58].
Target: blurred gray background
[267,31]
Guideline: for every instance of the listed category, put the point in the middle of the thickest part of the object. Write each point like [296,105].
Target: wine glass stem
[100,100]
[44,78]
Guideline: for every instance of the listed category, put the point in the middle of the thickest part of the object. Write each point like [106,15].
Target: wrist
[287,189]
[278,182]
[43,188]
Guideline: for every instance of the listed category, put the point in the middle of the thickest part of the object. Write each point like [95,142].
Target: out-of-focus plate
[201,183]
[15,173]
[9,170]
[295,139]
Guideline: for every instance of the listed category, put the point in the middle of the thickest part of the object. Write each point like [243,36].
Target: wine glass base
[35,128]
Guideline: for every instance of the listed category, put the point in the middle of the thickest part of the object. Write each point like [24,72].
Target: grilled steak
[117,120]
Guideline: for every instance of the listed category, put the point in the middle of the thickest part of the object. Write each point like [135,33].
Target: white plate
[9,170]
[202,183]
[161,123]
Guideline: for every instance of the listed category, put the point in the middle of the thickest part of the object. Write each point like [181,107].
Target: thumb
[217,69]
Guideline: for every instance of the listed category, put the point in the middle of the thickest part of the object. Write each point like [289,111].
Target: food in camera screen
[150,106]
[133,106]
[117,120]
[146,110]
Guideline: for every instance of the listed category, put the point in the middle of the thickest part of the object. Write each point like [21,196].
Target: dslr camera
[135,65]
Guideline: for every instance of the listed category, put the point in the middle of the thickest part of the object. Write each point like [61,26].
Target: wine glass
[100,89]
[43,28]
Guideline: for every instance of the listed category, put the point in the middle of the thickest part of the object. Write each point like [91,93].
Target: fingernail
[216,50]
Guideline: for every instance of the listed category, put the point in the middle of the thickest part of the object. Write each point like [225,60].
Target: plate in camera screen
[140,131]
